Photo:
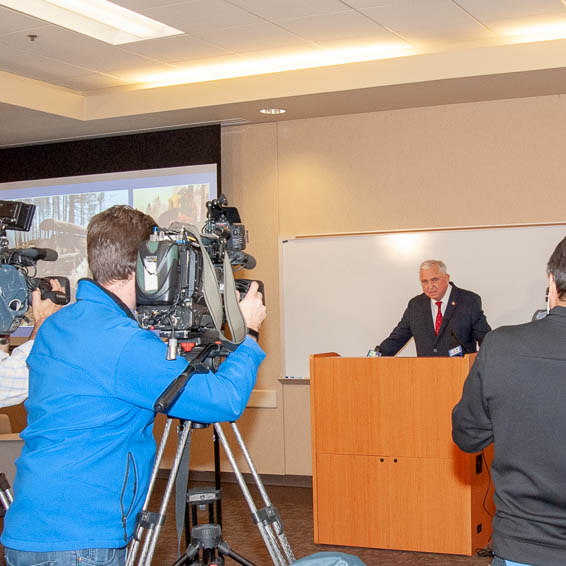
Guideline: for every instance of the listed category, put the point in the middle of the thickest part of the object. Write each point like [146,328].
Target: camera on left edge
[16,282]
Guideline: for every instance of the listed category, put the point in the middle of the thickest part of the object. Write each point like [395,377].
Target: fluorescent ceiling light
[100,19]
[294,62]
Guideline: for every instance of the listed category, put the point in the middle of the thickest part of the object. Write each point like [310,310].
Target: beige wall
[468,164]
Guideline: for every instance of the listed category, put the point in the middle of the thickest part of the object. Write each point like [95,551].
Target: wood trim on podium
[386,473]
[313,435]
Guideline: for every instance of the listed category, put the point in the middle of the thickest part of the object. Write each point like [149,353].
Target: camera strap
[213,297]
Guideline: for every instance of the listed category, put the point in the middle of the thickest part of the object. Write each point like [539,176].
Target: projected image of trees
[186,203]
[60,223]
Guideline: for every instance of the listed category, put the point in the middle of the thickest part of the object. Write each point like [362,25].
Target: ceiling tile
[208,61]
[38,68]
[199,15]
[253,37]
[135,75]
[177,48]
[138,5]
[78,50]
[358,4]
[91,82]
[283,51]
[416,19]
[340,25]
[11,21]
[365,41]
[275,11]
[504,26]
[485,10]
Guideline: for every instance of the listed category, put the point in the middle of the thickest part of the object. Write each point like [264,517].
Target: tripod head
[173,391]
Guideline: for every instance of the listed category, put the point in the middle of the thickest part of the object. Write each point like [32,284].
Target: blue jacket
[94,376]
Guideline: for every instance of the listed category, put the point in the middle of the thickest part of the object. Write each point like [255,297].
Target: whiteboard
[345,294]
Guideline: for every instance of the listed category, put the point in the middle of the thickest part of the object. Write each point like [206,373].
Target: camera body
[16,283]
[172,288]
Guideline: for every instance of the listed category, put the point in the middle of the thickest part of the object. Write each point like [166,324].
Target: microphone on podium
[458,349]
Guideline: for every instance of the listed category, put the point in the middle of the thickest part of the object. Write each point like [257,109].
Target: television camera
[185,285]
[16,282]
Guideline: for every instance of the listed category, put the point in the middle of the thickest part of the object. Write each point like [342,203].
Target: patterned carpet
[295,506]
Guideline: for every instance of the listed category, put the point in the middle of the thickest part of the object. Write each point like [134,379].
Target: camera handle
[168,397]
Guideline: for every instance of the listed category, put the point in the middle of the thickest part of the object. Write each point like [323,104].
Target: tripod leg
[134,545]
[6,497]
[266,534]
[225,550]
[276,523]
[151,540]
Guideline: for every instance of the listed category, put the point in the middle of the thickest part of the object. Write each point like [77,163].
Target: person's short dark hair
[556,267]
[112,241]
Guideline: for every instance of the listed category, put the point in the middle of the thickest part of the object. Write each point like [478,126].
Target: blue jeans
[500,562]
[84,557]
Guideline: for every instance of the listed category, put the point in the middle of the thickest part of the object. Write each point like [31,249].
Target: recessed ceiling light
[273,111]
[100,19]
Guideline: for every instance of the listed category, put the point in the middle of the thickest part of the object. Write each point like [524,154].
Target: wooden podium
[386,473]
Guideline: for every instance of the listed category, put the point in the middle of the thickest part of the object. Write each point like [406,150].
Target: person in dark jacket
[515,397]
[441,319]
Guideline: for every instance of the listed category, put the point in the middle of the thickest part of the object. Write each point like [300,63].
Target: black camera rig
[184,281]
[16,283]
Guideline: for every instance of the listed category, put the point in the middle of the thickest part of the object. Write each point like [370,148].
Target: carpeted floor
[295,506]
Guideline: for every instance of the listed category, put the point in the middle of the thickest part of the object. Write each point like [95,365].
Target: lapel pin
[453,303]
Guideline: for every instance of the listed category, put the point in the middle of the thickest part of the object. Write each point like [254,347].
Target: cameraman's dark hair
[557,267]
[112,241]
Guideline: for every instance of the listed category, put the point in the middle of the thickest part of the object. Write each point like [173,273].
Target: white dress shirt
[14,375]
[444,301]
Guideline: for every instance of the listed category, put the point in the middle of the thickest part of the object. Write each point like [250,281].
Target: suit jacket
[464,324]
[515,397]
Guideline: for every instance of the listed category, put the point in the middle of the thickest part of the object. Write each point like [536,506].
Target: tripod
[6,496]
[208,537]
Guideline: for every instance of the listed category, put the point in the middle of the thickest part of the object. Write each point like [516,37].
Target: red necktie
[438,317]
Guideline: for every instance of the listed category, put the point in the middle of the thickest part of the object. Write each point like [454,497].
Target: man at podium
[444,320]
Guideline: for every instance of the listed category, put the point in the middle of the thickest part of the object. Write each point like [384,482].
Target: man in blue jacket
[94,376]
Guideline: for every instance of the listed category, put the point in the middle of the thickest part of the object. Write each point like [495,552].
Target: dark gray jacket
[464,324]
[515,396]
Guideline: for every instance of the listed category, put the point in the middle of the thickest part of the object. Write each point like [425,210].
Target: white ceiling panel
[275,11]
[34,66]
[11,21]
[138,5]
[503,27]
[76,49]
[253,37]
[172,49]
[283,51]
[225,32]
[358,4]
[486,10]
[328,27]
[90,82]
[191,64]
[415,18]
[201,15]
